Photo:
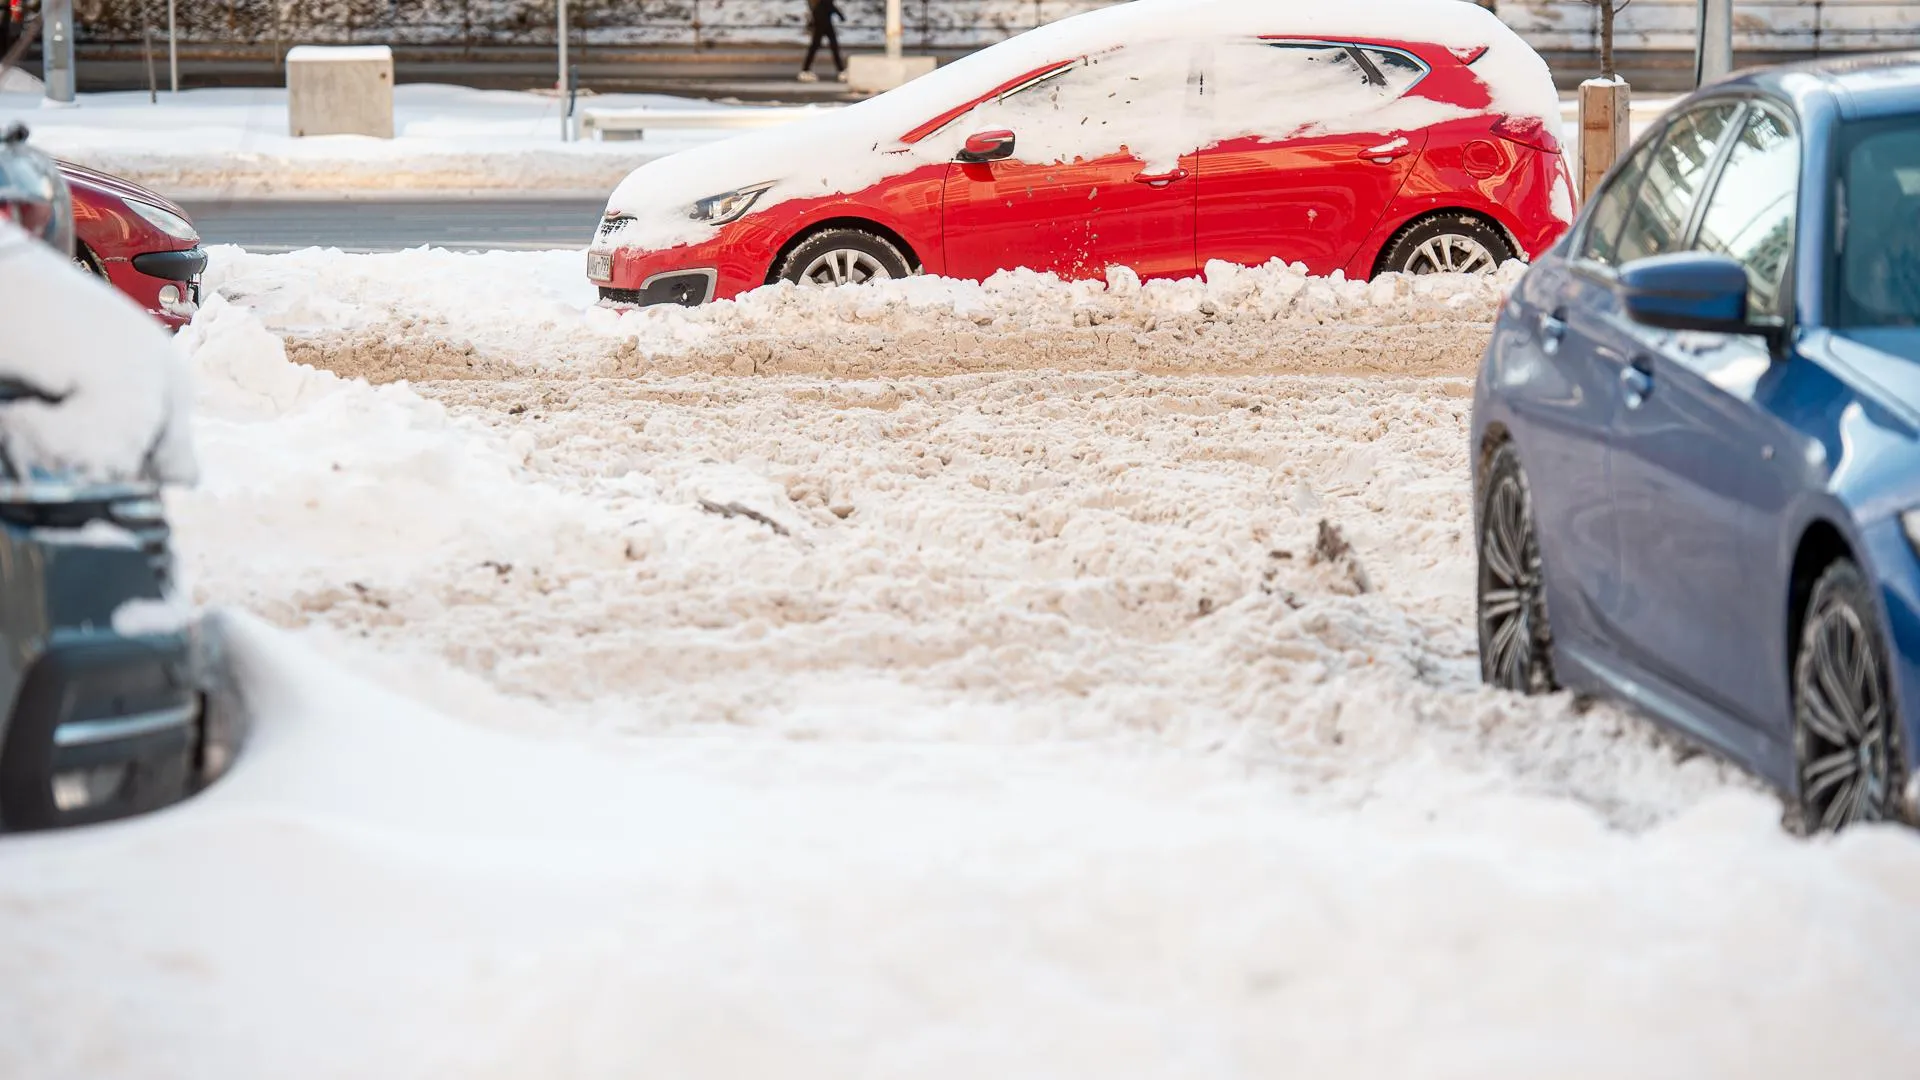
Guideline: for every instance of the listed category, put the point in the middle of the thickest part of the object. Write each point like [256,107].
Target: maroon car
[139,241]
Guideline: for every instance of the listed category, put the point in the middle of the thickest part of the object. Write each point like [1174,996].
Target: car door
[1311,174]
[1565,404]
[1697,491]
[1101,174]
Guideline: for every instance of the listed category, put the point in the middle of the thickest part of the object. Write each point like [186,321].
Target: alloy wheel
[1846,761]
[844,266]
[1451,253]
[1512,604]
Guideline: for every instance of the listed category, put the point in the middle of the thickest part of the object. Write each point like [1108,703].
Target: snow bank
[1112,99]
[120,411]
[1036,742]
[428,314]
[234,143]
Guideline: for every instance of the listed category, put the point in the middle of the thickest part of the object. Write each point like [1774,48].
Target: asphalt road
[394,225]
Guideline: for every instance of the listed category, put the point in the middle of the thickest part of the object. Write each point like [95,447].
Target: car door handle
[1387,153]
[1636,384]
[1161,179]
[1553,330]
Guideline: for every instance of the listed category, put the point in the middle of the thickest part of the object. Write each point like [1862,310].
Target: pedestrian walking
[820,16]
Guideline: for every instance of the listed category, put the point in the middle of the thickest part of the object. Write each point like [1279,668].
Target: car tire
[843,257]
[1848,757]
[1510,603]
[1447,243]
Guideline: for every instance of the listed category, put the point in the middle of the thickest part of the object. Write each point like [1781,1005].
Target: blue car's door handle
[1553,329]
[1636,383]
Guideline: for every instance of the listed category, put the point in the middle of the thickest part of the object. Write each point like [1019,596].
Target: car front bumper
[166,283]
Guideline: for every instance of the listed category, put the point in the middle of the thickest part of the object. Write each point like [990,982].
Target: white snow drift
[997,724]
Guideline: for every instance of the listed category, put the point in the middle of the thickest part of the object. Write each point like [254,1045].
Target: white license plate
[600,265]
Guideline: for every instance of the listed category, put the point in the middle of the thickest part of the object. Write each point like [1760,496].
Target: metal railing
[1785,25]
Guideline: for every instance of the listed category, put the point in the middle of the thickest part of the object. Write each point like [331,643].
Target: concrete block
[340,90]
[867,74]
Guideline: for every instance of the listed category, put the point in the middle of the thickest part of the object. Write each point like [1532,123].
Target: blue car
[1696,439]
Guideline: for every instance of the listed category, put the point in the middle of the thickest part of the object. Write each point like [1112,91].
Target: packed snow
[234,143]
[1111,99]
[112,408]
[873,718]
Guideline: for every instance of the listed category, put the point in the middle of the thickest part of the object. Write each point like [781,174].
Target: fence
[1572,25]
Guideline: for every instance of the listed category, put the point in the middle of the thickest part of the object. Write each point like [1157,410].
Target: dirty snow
[913,722]
[1109,102]
[429,314]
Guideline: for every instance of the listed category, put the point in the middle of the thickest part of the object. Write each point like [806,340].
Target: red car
[140,242]
[1362,137]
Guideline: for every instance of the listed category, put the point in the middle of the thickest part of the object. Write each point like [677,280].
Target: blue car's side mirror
[1687,290]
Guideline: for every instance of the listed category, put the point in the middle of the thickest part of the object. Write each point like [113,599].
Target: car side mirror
[987,146]
[1686,290]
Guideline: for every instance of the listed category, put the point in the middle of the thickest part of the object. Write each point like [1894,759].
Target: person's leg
[813,51]
[833,41]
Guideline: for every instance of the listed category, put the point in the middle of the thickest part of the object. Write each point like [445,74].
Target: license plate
[600,265]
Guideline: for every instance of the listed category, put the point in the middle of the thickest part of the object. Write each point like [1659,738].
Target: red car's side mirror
[988,146]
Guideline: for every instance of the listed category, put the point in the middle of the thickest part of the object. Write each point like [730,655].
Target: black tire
[1510,604]
[1453,242]
[865,257]
[1849,763]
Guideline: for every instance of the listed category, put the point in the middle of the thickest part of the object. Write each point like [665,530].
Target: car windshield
[1877,255]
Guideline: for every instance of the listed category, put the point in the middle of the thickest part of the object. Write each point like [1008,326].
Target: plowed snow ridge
[957,724]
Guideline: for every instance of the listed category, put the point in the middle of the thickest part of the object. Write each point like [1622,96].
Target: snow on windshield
[1123,86]
[93,389]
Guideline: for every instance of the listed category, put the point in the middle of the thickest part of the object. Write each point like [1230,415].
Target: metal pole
[566,122]
[56,44]
[173,48]
[1713,56]
[893,29]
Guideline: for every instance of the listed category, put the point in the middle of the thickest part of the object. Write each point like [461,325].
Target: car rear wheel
[1447,244]
[1515,645]
[1846,736]
[844,257]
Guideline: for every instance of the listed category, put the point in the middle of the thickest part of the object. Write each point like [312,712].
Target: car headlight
[728,206]
[165,220]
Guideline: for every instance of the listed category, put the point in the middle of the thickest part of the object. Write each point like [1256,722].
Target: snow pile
[234,143]
[1034,738]
[118,409]
[428,314]
[1109,99]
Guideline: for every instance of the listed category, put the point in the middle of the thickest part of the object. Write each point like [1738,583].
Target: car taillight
[1528,131]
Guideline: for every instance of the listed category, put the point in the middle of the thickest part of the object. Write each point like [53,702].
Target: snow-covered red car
[139,241]
[1160,135]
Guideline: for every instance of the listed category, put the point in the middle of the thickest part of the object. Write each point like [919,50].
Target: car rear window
[1876,266]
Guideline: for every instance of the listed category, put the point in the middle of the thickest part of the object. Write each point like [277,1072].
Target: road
[394,225]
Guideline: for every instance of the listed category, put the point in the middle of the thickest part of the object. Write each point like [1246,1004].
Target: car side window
[1097,103]
[1750,214]
[1380,73]
[1676,172]
[1610,210]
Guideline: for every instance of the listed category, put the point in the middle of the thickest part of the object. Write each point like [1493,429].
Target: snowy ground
[233,143]
[904,703]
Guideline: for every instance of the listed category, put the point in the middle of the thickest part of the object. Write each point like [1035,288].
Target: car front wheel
[1846,731]
[844,257]
[1515,645]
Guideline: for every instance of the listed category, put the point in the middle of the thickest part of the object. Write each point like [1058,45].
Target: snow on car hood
[122,407]
[853,148]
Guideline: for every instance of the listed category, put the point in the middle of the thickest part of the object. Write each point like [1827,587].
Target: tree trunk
[1606,37]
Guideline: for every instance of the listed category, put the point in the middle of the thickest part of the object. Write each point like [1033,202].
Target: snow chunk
[122,413]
